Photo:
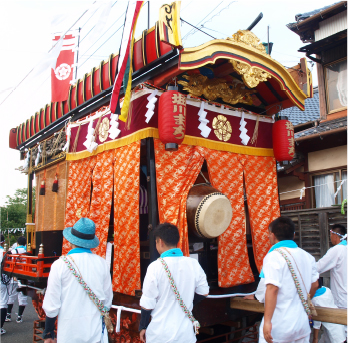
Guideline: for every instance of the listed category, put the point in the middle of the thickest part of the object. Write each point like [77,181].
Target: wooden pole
[148,15]
[268,41]
[152,196]
[325,314]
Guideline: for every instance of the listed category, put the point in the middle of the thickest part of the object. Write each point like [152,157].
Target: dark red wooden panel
[72,98]
[151,54]
[105,76]
[96,83]
[37,122]
[47,115]
[42,123]
[32,126]
[138,55]
[13,139]
[80,91]
[88,87]
[65,107]
[113,68]
[27,131]
[164,48]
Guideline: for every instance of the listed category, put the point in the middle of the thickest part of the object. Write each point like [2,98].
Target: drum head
[213,215]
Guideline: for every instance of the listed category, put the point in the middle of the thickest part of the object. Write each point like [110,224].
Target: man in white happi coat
[79,319]
[335,260]
[285,319]
[17,248]
[169,323]
[332,333]
[3,291]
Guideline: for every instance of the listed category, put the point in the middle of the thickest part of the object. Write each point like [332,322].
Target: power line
[94,25]
[207,28]
[215,15]
[101,45]
[105,33]
[197,28]
[189,33]
[61,38]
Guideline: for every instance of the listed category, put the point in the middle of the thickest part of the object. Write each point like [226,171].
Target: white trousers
[302,340]
[22,299]
[3,296]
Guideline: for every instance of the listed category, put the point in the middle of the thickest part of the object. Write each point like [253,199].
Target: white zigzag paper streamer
[205,130]
[151,105]
[114,131]
[243,135]
[90,143]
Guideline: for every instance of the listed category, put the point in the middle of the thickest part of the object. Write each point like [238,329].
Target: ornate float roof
[242,55]
[236,72]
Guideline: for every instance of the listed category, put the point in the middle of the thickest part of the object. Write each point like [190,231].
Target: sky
[26,29]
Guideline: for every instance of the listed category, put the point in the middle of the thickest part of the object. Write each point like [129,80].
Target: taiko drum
[209,212]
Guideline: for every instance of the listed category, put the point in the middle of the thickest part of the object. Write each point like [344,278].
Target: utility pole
[268,40]
[148,14]
[77,54]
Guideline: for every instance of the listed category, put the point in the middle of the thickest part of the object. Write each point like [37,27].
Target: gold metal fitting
[41,249]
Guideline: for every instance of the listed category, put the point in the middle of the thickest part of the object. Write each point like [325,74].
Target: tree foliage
[14,213]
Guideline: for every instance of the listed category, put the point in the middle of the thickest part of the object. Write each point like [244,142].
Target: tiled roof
[311,112]
[303,16]
[323,127]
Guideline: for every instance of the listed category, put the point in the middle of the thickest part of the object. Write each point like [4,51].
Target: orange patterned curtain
[126,273]
[226,174]
[103,182]
[79,193]
[176,172]
[262,194]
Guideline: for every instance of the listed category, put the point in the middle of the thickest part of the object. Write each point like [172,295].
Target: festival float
[194,148]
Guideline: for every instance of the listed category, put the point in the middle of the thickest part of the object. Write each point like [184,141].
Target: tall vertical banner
[125,50]
[169,24]
[63,72]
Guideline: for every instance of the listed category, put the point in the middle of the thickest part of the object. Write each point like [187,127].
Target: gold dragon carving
[211,89]
[247,38]
[251,76]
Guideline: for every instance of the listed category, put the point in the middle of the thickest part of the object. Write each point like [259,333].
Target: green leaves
[14,213]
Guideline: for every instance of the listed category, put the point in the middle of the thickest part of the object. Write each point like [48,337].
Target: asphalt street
[20,332]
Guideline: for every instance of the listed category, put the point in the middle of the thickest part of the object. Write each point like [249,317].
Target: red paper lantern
[172,119]
[283,140]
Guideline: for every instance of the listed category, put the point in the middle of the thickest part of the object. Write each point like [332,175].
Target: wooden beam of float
[325,314]
[249,59]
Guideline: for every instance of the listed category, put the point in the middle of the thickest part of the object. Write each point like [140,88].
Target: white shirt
[335,260]
[19,250]
[333,333]
[289,321]
[79,320]
[169,323]
[260,291]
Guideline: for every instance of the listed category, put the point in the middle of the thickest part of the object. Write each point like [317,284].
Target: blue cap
[82,234]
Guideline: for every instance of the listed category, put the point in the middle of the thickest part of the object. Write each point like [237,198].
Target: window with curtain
[327,185]
[336,85]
